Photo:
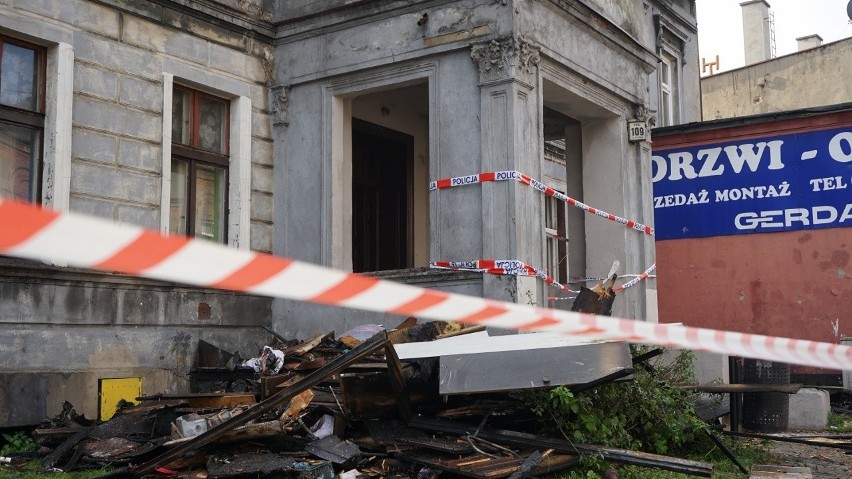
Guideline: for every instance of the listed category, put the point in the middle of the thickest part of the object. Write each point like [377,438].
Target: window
[199,167]
[556,241]
[22,87]
[668,76]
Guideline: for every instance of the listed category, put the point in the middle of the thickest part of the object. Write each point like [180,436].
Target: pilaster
[510,122]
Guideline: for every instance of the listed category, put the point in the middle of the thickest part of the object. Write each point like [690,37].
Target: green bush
[648,413]
[17,442]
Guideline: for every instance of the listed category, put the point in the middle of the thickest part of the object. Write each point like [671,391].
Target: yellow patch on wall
[111,391]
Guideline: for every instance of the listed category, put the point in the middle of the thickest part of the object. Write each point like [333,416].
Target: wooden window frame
[195,156]
[33,119]
[670,86]
[194,124]
[556,241]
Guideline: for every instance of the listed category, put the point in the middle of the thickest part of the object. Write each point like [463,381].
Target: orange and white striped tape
[512,175]
[633,282]
[501,267]
[519,268]
[28,231]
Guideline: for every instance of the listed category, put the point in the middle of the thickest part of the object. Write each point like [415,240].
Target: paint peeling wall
[793,284]
[601,54]
[815,77]
[63,329]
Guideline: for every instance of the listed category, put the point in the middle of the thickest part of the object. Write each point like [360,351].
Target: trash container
[766,411]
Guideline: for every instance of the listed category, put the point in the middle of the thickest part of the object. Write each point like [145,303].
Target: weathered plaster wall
[63,329]
[119,60]
[815,77]
[331,53]
[578,40]
[361,37]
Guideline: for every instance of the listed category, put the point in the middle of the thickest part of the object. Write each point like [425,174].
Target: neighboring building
[754,218]
[312,129]
[817,75]
[761,282]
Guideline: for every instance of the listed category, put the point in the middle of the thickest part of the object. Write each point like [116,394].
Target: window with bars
[199,186]
[22,91]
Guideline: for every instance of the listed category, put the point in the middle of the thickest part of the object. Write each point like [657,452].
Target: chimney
[756,31]
[809,41]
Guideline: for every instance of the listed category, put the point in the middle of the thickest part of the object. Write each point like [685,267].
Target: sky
[720,26]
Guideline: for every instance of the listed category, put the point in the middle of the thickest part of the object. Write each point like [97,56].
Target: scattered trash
[350,408]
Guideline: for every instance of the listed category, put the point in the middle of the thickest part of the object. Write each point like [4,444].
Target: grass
[838,422]
[33,470]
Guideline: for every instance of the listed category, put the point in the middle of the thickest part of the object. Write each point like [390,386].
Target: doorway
[382,175]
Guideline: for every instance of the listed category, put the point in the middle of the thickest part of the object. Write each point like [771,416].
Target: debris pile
[349,407]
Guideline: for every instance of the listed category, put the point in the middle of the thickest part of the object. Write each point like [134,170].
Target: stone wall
[66,328]
[593,61]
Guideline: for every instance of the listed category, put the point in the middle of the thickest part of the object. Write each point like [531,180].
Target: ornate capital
[281,105]
[507,58]
[643,113]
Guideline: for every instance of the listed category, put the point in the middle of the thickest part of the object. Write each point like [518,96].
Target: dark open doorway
[382,166]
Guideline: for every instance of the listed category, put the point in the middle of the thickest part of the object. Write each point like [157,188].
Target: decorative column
[511,138]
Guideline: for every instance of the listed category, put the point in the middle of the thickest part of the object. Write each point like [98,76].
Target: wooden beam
[368,347]
[747,388]
[521,439]
[63,448]
[403,400]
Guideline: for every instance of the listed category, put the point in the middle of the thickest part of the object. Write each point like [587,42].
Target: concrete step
[809,410]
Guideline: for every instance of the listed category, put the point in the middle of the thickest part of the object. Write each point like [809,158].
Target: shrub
[17,442]
[648,413]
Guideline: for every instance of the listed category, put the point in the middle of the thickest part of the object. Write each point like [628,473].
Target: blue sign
[788,182]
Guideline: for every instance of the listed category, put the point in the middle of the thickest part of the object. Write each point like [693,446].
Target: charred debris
[349,407]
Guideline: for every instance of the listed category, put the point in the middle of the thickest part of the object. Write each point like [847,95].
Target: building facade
[761,282]
[817,75]
[472,86]
[313,130]
[145,113]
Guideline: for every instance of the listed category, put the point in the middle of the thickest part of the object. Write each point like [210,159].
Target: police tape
[512,175]
[519,268]
[27,231]
[633,282]
[501,267]
[561,298]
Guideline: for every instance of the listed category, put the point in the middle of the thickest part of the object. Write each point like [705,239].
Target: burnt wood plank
[281,398]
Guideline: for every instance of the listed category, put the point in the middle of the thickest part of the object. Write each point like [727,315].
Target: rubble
[349,407]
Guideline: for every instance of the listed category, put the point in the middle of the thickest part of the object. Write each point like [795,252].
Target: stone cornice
[333,19]
[254,23]
[674,17]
